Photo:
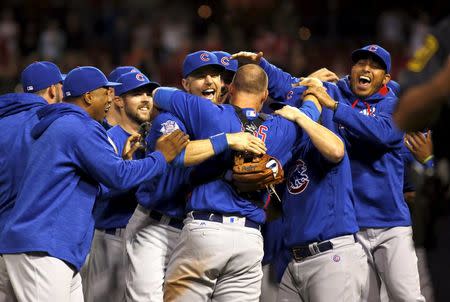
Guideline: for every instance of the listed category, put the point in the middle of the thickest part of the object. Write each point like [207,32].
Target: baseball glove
[252,173]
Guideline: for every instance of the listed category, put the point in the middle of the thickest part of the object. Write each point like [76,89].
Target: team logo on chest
[298,180]
[368,111]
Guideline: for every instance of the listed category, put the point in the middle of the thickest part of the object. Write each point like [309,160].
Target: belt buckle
[296,254]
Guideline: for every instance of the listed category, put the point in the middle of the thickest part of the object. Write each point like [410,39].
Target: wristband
[219,142]
[336,104]
[426,160]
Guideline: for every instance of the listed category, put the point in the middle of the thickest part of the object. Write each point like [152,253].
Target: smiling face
[138,105]
[367,76]
[100,101]
[204,82]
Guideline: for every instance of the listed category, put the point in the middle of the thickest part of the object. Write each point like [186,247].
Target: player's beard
[136,116]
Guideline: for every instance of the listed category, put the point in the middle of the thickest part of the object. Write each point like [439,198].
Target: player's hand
[324,75]
[244,141]
[131,145]
[170,145]
[309,81]
[420,145]
[246,57]
[290,113]
[322,96]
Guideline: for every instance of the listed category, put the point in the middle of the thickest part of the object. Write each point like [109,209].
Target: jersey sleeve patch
[168,127]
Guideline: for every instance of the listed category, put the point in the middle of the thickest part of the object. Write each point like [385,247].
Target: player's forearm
[378,130]
[326,142]
[197,152]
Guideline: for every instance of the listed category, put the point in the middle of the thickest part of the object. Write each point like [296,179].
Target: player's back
[17,117]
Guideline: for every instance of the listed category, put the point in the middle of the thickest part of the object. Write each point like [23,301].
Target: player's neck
[129,125]
[245,100]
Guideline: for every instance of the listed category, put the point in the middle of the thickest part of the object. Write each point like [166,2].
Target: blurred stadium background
[155,35]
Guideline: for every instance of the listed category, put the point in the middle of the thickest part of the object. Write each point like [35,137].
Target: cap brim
[219,66]
[112,84]
[362,53]
[276,105]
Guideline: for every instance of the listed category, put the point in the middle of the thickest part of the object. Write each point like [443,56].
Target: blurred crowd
[156,35]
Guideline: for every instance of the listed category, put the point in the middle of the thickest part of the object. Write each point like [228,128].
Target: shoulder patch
[423,54]
[169,126]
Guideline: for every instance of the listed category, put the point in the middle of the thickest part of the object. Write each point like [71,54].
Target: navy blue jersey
[167,193]
[71,155]
[17,118]
[115,210]
[203,119]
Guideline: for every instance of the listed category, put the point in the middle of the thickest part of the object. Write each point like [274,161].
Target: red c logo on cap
[225,61]
[140,77]
[373,48]
[204,57]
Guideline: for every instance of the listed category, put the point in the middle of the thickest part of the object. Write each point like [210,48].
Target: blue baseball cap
[40,75]
[394,87]
[224,59]
[375,50]
[199,59]
[133,80]
[118,71]
[84,79]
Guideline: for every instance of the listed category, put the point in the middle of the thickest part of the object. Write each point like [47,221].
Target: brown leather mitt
[252,173]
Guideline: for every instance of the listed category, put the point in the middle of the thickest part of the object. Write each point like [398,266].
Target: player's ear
[387,78]
[231,89]
[51,91]
[87,98]
[186,84]
[265,95]
[118,101]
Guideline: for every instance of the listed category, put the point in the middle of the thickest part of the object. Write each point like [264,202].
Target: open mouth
[364,82]
[209,93]
[107,107]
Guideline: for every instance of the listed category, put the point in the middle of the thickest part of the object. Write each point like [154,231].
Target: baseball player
[219,252]
[49,231]
[43,82]
[326,263]
[114,113]
[156,224]
[364,109]
[227,75]
[105,278]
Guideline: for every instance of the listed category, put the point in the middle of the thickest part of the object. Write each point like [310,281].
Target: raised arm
[329,144]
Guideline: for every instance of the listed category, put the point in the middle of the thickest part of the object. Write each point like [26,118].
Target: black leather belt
[173,222]
[219,218]
[301,252]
